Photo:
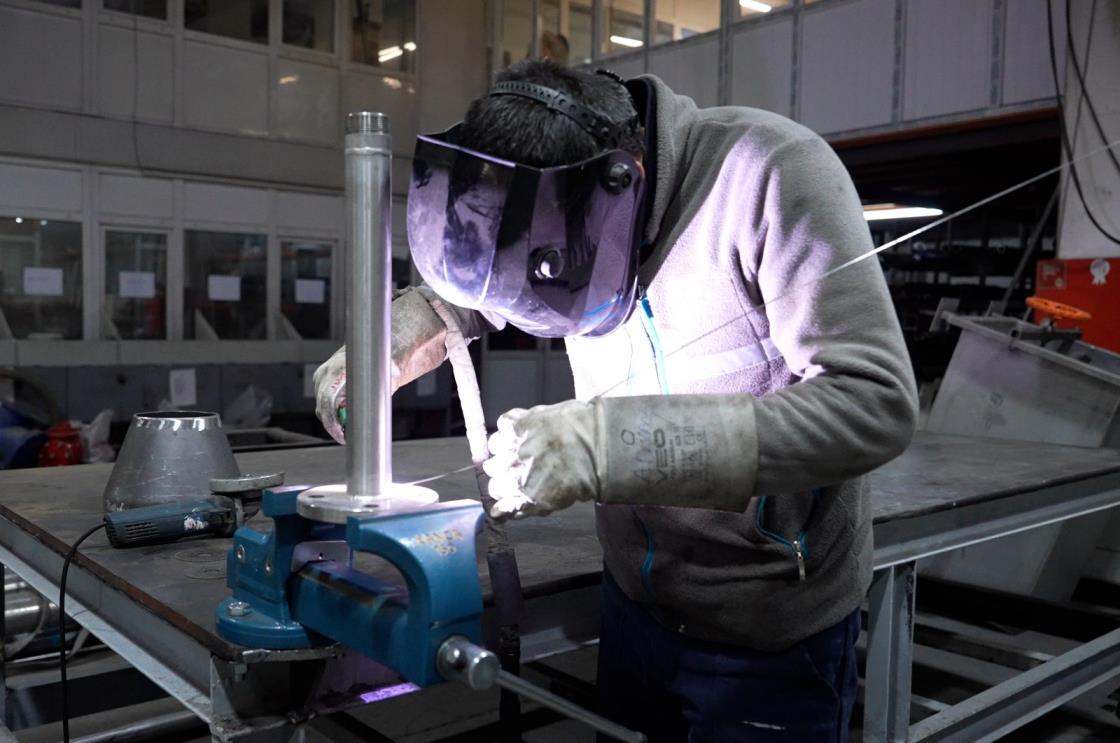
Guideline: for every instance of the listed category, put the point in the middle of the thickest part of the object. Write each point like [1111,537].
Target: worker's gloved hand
[697,451]
[417,347]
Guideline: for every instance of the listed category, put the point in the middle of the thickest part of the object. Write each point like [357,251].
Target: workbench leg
[890,648]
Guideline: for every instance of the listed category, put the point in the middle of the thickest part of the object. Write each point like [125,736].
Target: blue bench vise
[296,587]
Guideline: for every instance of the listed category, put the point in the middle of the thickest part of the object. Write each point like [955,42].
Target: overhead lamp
[756,6]
[410,46]
[389,53]
[626,41]
[42,223]
[19,220]
[877,212]
[289,79]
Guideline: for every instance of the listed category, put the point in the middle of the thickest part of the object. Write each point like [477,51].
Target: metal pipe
[156,728]
[369,199]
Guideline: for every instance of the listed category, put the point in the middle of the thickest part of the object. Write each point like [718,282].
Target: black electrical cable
[1083,76]
[62,629]
[1062,127]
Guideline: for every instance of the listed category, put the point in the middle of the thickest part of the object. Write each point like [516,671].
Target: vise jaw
[296,586]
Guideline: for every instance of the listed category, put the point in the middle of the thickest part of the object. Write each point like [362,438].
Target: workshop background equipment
[1013,379]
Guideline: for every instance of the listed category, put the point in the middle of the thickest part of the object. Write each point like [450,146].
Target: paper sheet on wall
[223,288]
[136,284]
[309,379]
[42,282]
[311,291]
[183,388]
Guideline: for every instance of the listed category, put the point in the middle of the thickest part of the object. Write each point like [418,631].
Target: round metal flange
[332,504]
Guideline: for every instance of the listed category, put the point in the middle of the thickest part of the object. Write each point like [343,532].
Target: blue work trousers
[675,688]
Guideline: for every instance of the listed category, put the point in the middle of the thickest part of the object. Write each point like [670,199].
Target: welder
[729,400]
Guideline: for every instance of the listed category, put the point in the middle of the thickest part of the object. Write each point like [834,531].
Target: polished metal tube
[369,248]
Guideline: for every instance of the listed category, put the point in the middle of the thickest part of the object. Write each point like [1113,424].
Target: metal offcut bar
[369,200]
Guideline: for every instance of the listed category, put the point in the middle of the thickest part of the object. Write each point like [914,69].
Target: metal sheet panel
[847,65]
[209,202]
[690,68]
[308,212]
[46,188]
[119,93]
[306,101]
[52,44]
[224,88]
[762,66]
[1026,51]
[133,196]
[948,57]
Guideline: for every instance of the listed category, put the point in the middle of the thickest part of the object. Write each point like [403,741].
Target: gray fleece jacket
[748,209]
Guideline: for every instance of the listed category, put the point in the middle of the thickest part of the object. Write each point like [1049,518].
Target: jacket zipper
[654,342]
[663,382]
[798,545]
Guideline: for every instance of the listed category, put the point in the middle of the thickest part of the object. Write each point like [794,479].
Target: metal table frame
[273,689]
[899,544]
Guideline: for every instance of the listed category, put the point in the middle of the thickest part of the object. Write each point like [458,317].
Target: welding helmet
[553,251]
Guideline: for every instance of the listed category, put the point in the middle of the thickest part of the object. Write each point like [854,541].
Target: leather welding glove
[417,347]
[691,451]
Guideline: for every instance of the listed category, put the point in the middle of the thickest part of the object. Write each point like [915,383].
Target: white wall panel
[690,69]
[133,196]
[1027,75]
[306,101]
[224,88]
[309,213]
[847,65]
[762,66]
[41,189]
[209,202]
[948,57]
[117,53]
[40,58]
[393,96]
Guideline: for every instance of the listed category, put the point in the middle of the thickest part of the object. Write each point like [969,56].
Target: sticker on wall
[223,288]
[1100,268]
[309,379]
[183,388]
[311,291]
[136,284]
[42,282]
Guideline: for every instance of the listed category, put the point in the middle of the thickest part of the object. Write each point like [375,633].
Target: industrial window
[383,33]
[246,20]
[40,279]
[309,24]
[63,3]
[305,286]
[136,284]
[224,286]
[624,24]
[565,29]
[756,8]
[148,8]
[517,31]
[680,19]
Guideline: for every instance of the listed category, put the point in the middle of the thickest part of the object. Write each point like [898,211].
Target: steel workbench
[154,605]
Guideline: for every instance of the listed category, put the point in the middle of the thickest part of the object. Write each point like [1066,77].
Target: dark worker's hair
[528,132]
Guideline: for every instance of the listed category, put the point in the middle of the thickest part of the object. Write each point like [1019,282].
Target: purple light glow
[388,692]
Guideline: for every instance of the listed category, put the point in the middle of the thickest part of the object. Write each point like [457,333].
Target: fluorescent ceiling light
[410,46]
[389,53]
[626,41]
[289,79]
[876,212]
[756,6]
